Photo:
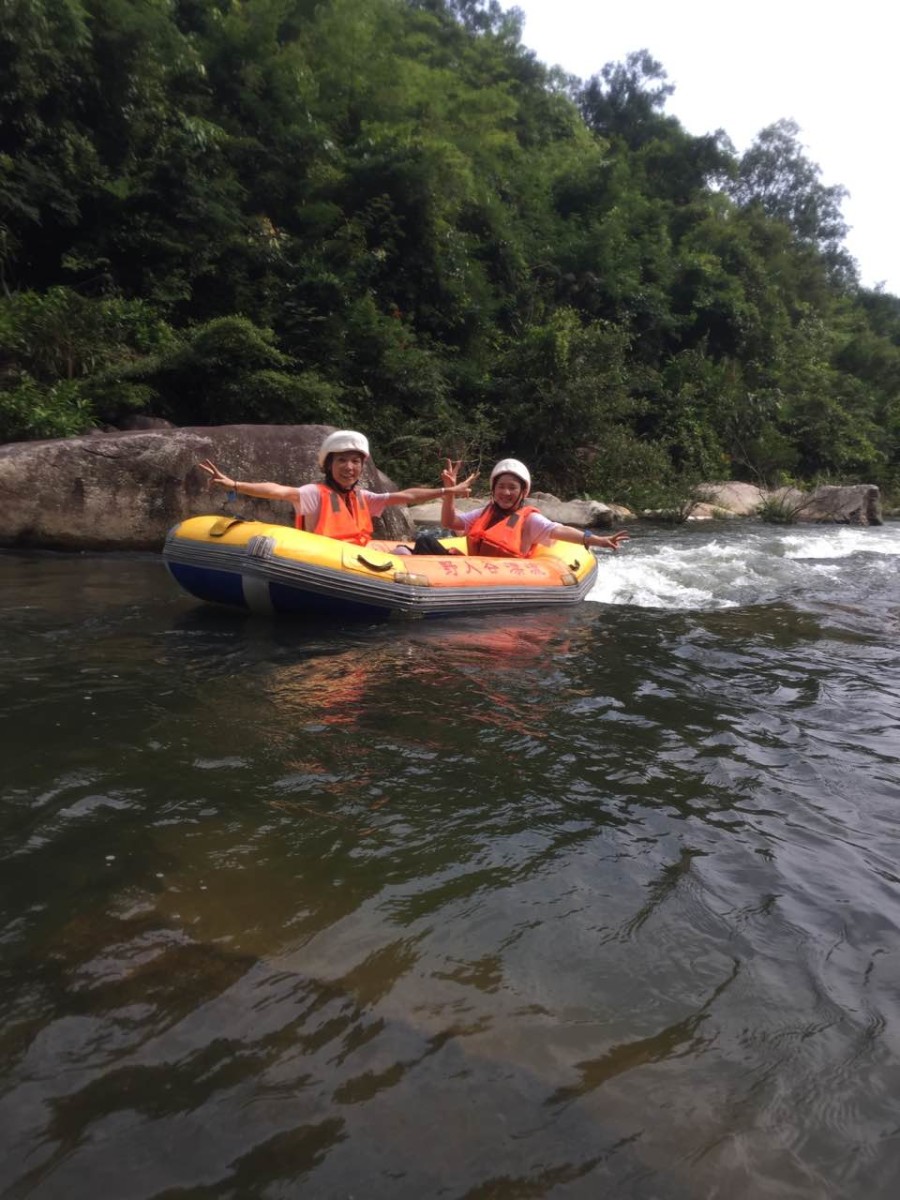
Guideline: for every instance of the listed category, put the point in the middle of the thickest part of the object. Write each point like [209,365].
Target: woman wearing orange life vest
[337,508]
[507,527]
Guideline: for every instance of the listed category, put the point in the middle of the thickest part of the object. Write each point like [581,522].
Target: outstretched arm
[412,496]
[568,533]
[262,491]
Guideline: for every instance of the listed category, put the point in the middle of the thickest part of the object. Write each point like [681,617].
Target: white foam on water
[842,542]
[652,583]
[680,571]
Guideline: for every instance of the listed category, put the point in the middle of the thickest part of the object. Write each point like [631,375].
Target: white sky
[832,68]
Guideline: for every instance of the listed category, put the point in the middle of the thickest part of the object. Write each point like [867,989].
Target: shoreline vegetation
[229,214]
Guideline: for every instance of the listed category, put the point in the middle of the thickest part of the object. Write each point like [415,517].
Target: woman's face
[507,491]
[346,467]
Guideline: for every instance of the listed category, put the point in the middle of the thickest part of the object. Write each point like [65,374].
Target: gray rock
[124,491]
[857,504]
[732,499]
[852,504]
[428,516]
[584,514]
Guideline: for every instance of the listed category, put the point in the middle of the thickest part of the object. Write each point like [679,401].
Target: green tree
[389,212]
[625,101]
[775,174]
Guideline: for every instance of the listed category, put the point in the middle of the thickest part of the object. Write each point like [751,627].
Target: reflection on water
[576,904]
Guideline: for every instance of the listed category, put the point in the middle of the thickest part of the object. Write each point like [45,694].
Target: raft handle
[380,567]
[222,524]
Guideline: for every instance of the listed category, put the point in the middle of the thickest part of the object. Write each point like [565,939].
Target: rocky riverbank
[125,490]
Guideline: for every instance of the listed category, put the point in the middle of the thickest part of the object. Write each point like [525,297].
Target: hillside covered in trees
[389,214]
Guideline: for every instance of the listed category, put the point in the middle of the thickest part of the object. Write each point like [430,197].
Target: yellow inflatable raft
[275,569]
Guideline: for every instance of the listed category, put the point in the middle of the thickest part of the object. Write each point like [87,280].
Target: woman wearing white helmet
[338,507]
[507,527]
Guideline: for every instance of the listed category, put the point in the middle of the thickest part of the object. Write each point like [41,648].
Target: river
[592,903]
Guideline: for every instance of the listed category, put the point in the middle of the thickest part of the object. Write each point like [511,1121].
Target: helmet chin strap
[333,483]
[343,492]
[498,512]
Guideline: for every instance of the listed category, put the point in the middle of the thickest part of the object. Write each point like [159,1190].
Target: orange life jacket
[503,539]
[337,520]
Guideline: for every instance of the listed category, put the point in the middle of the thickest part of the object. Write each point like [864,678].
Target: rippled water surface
[582,904]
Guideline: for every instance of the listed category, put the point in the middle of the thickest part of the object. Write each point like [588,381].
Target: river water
[581,904]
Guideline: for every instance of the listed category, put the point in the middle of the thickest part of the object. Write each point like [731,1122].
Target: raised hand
[216,478]
[449,476]
[450,472]
[464,488]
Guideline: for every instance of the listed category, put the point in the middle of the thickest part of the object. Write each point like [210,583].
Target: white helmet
[343,439]
[512,466]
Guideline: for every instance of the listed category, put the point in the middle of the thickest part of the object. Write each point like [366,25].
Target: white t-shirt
[537,530]
[308,501]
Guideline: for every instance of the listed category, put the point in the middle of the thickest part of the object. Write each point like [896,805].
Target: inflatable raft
[275,569]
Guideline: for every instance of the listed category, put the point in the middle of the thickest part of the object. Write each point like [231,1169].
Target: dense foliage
[388,213]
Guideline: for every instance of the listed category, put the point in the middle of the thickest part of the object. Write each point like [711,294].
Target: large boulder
[856,504]
[124,491]
[851,504]
[730,499]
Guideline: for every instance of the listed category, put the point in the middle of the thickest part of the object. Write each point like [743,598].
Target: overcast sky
[833,69]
